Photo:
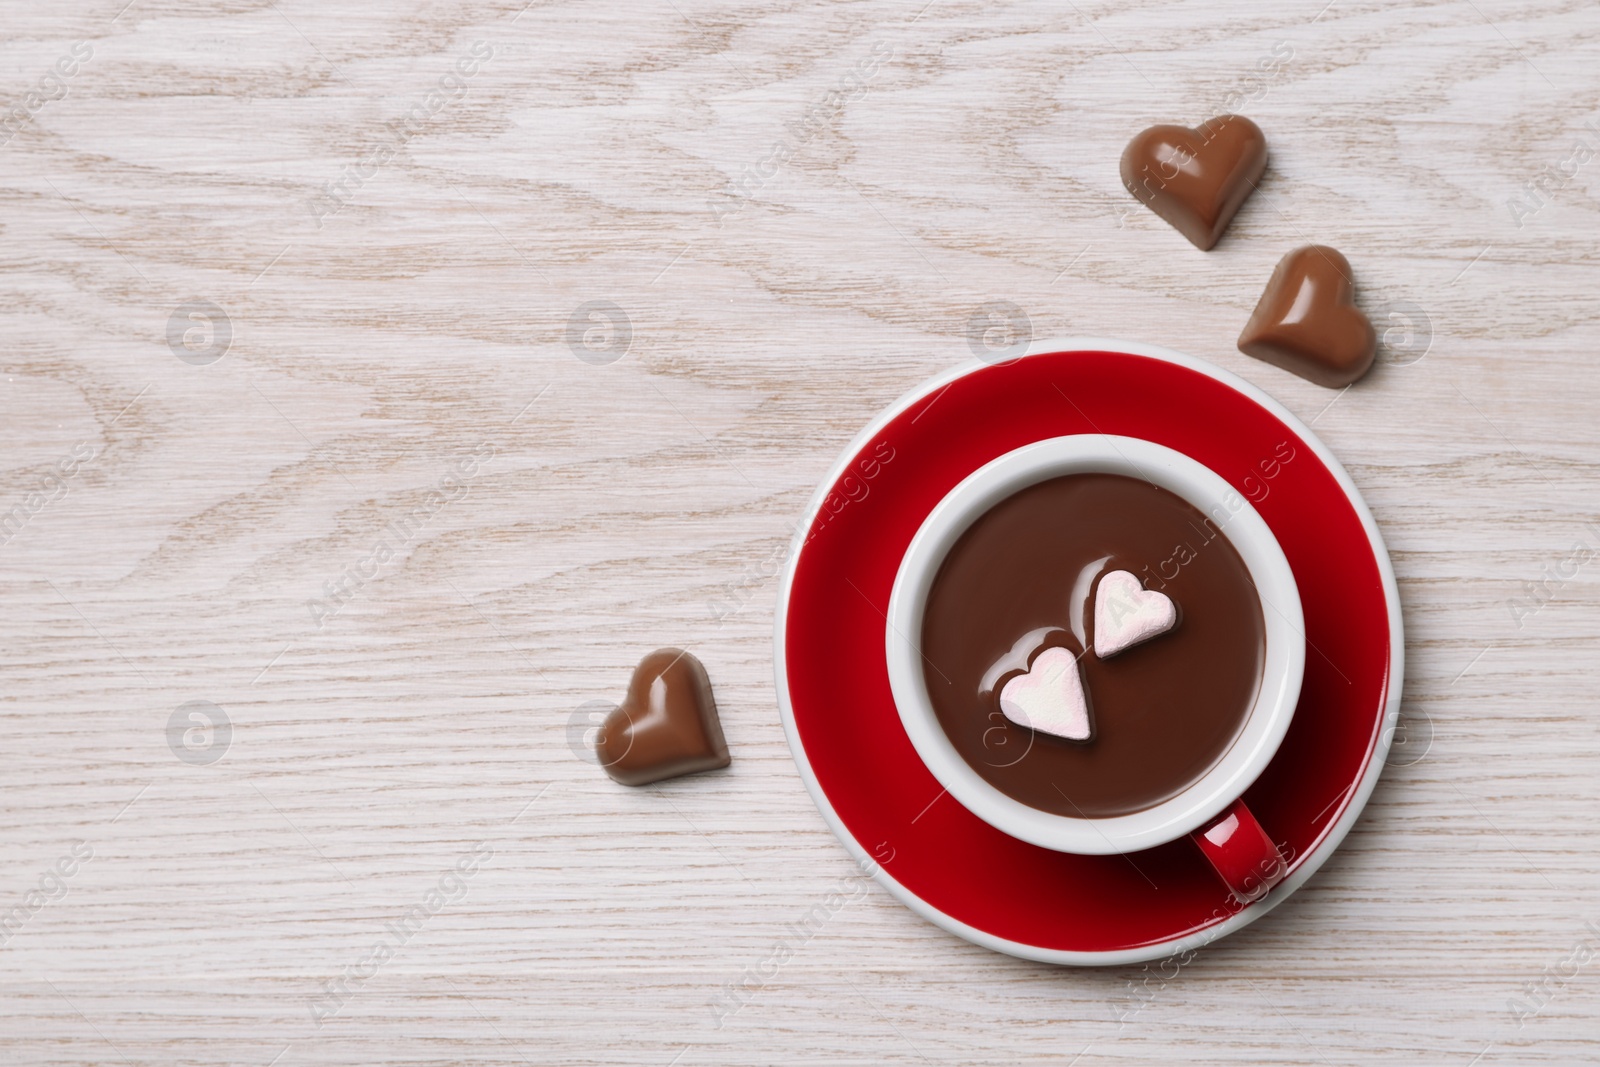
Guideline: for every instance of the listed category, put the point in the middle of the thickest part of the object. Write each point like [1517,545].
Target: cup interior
[1283,660]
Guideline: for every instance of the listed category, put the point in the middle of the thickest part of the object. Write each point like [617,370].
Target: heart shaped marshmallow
[1126,613]
[1049,698]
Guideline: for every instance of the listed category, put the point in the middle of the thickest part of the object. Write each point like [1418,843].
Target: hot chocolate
[1023,579]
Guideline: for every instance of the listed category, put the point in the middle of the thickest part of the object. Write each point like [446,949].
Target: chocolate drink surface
[1022,578]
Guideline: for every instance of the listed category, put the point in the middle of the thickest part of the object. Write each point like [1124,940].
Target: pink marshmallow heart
[1049,698]
[1126,613]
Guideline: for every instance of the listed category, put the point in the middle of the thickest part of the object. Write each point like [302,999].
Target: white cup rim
[1282,617]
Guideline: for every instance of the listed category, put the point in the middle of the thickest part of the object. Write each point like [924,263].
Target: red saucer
[833,685]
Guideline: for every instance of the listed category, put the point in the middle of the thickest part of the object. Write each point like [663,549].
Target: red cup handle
[1241,853]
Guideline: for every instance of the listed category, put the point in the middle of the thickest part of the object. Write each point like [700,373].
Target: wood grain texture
[398,284]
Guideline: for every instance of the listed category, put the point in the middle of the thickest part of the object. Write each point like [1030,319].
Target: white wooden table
[380,220]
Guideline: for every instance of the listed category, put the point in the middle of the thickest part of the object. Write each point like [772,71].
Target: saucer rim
[1326,845]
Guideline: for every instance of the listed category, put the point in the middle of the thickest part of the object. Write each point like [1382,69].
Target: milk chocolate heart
[1307,321]
[1196,179]
[666,726]
[1049,697]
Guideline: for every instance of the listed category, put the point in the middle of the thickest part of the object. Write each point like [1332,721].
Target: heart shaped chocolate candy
[666,726]
[1196,179]
[1307,321]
